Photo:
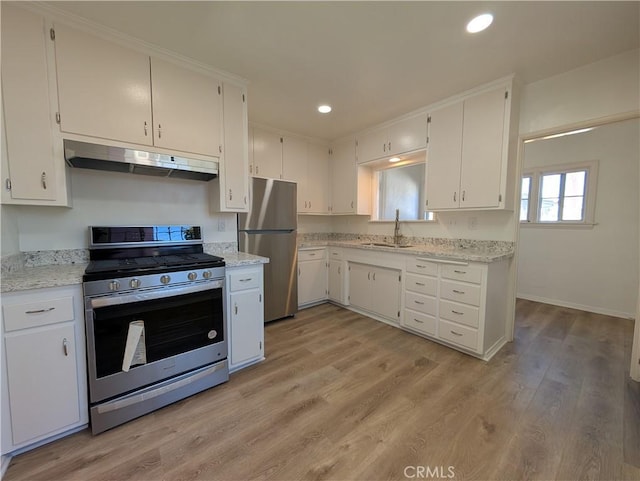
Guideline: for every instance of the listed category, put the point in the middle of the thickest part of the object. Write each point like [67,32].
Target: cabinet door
[385,292]
[186,109]
[343,178]
[336,281]
[483,131]
[25,95]
[104,89]
[236,156]
[294,168]
[359,285]
[318,179]
[43,381]
[408,135]
[267,154]
[247,325]
[312,281]
[372,145]
[443,157]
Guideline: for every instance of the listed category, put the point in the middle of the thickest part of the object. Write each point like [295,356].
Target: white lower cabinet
[375,289]
[245,314]
[312,276]
[337,275]
[44,391]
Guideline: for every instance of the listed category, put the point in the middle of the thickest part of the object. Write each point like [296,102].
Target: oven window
[172,326]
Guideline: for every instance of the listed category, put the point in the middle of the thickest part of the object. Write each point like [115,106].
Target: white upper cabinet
[307,165]
[344,178]
[403,136]
[294,167]
[104,89]
[186,109]
[267,154]
[109,91]
[318,187]
[231,188]
[32,173]
[468,153]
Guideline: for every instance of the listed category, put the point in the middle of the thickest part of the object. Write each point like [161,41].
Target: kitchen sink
[382,244]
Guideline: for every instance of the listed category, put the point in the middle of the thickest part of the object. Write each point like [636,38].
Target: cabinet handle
[459,272]
[246,280]
[419,303]
[40,311]
[230,194]
[454,196]
[159,131]
[145,128]
[389,146]
[463,194]
[384,147]
[298,271]
[456,333]
[457,312]
[352,204]
[65,346]
[374,276]
[338,269]
[245,200]
[420,284]
[369,275]
[312,253]
[43,179]
[418,321]
[456,291]
[256,169]
[235,309]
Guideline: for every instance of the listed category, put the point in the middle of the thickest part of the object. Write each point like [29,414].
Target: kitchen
[30,229]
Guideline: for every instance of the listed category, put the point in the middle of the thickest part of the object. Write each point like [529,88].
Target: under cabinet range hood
[85,155]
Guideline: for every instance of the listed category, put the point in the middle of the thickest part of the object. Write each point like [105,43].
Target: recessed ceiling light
[395,159]
[479,23]
[324,109]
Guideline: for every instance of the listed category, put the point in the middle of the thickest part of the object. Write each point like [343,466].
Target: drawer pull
[420,284]
[65,346]
[40,311]
[247,279]
[235,309]
[312,253]
[456,312]
[458,292]
[418,321]
[419,302]
[459,272]
[455,333]
[420,267]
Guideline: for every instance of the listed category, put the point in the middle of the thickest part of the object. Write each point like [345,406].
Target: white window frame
[531,180]
[533,216]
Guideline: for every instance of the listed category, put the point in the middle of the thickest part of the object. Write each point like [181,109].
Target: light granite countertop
[469,254]
[58,275]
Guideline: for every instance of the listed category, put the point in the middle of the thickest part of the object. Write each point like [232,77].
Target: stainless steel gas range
[154,313]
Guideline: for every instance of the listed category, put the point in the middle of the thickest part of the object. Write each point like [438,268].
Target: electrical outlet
[221,225]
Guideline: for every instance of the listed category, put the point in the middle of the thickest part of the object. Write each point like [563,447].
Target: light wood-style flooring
[344,397]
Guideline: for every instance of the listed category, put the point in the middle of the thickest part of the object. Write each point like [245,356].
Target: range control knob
[192,276]
[114,285]
[134,283]
[165,279]
[206,274]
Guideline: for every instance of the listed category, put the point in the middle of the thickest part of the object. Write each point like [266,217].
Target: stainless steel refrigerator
[269,230]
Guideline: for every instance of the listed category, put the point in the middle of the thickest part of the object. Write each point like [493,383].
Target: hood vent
[118,159]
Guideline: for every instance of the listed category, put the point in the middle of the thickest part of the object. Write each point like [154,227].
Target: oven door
[183,330]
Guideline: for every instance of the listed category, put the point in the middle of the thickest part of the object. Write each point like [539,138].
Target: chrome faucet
[396,229]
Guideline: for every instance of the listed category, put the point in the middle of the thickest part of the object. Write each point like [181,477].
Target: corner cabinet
[470,153]
[44,391]
[350,183]
[375,289]
[399,137]
[245,315]
[33,170]
[230,191]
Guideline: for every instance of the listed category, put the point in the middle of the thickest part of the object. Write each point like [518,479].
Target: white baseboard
[581,307]
[6,460]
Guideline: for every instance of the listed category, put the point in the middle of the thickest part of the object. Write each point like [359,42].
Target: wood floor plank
[343,397]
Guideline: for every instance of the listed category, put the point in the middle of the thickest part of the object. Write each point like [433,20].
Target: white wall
[597,90]
[110,198]
[591,269]
[9,229]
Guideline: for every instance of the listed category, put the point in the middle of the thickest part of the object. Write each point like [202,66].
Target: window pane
[526,186]
[572,209]
[549,210]
[402,188]
[551,186]
[524,209]
[574,183]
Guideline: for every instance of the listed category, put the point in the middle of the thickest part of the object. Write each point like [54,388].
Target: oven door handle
[151,294]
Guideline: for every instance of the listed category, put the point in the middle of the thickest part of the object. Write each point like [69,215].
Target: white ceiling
[371,60]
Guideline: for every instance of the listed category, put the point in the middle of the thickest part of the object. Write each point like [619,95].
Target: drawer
[461,313]
[420,322]
[418,266]
[240,281]
[38,313]
[459,292]
[422,284]
[311,254]
[335,254]
[457,334]
[463,273]
[420,303]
